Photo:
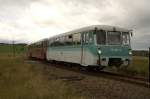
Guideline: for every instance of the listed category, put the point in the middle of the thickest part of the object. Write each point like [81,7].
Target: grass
[22,80]
[8,48]
[139,66]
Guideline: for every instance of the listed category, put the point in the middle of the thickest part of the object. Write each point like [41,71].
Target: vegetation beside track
[22,80]
[139,66]
[9,48]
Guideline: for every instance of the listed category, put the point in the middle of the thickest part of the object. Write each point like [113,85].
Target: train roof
[87,28]
[92,27]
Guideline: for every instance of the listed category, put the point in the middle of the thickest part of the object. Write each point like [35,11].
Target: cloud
[31,20]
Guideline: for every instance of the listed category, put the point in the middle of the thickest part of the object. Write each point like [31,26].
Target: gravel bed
[93,87]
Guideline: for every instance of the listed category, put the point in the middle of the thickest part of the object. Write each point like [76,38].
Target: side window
[55,42]
[90,36]
[38,44]
[42,44]
[68,40]
[86,37]
[62,40]
[58,42]
[46,43]
[77,38]
[49,42]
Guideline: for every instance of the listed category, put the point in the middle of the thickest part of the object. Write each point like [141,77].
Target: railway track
[120,77]
[117,76]
[127,78]
[105,74]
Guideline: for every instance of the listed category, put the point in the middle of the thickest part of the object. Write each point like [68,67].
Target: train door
[76,50]
[82,42]
[84,46]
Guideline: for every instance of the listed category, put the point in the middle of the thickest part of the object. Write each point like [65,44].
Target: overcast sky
[31,20]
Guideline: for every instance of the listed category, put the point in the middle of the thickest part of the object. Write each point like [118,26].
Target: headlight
[99,52]
[130,52]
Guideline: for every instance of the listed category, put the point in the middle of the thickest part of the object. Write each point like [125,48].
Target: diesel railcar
[93,46]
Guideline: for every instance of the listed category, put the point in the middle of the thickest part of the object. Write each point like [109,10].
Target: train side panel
[66,54]
[72,54]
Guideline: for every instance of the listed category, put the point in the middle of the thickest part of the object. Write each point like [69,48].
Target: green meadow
[8,48]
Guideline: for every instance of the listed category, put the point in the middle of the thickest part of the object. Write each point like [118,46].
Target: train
[95,46]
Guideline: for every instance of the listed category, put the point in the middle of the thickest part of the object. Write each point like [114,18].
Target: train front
[113,48]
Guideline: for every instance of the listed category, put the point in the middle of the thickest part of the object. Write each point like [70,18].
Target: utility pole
[149,69]
[13,45]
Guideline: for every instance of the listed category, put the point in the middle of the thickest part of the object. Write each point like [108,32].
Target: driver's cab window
[101,37]
[125,38]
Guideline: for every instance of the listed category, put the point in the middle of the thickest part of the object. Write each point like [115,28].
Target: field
[20,79]
[8,48]
[139,66]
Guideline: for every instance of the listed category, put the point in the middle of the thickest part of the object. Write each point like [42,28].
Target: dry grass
[139,66]
[20,80]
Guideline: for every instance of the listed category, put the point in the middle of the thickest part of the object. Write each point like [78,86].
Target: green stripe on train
[107,50]
[91,48]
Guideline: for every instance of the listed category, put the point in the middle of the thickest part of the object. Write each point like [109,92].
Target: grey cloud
[77,13]
[137,13]
[136,17]
[15,2]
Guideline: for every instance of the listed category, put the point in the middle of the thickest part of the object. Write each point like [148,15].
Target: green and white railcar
[96,46]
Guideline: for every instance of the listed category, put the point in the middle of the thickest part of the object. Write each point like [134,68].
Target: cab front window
[114,38]
[125,38]
[101,37]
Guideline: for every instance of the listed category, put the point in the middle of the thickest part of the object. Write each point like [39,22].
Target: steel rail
[128,78]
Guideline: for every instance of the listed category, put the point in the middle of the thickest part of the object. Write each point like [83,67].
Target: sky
[26,21]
